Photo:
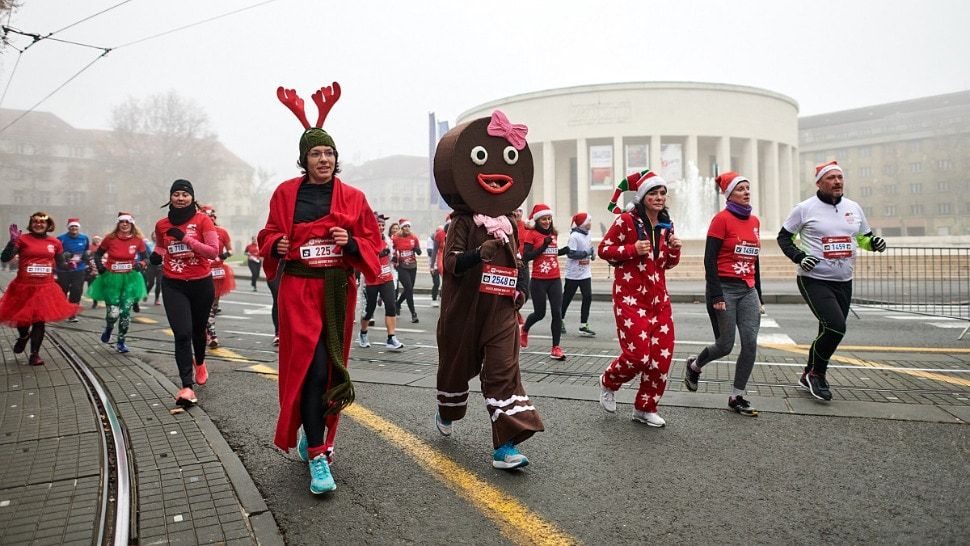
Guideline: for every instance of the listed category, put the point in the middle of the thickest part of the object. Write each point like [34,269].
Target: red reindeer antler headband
[324,98]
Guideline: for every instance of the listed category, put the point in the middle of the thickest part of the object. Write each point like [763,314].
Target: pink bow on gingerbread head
[500,126]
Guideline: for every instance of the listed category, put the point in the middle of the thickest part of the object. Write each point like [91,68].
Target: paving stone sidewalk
[190,488]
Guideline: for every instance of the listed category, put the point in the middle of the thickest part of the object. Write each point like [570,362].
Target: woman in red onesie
[254,262]
[641,245]
[33,298]
[119,283]
[185,242]
[540,247]
[223,279]
[318,231]
[406,249]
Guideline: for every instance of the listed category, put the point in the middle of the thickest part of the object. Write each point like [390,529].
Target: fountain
[693,201]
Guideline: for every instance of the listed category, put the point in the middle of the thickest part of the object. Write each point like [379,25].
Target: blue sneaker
[122,348]
[302,450]
[508,457]
[321,481]
[444,426]
[106,334]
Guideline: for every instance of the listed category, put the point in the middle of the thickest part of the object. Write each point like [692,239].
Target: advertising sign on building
[637,157]
[601,166]
[671,162]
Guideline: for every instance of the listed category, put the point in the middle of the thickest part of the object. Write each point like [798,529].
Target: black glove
[175,232]
[101,268]
[155,259]
[547,241]
[383,253]
[878,244]
[808,263]
[224,255]
[137,266]
[417,251]
[69,255]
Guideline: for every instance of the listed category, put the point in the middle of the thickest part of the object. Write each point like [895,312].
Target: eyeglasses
[329,154]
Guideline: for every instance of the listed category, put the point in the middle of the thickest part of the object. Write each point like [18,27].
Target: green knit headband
[312,138]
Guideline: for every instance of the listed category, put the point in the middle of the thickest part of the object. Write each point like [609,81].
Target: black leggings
[829,302]
[541,289]
[386,292]
[274,288]
[586,289]
[72,283]
[254,268]
[407,276]
[153,274]
[435,284]
[311,398]
[187,305]
[36,333]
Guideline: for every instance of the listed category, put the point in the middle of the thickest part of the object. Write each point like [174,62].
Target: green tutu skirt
[113,288]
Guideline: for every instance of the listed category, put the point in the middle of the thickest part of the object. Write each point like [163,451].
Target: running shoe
[321,480]
[434,303]
[607,399]
[524,338]
[742,406]
[20,344]
[157,302]
[136,308]
[73,319]
[562,328]
[302,448]
[201,374]
[414,319]
[508,457]
[35,360]
[803,381]
[393,344]
[690,376]
[585,330]
[214,343]
[444,426]
[106,334]
[370,322]
[651,419]
[94,305]
[819,387]
[362,340]
[121,347]
[556,353]
[254,289]
[185,398]
[276,341]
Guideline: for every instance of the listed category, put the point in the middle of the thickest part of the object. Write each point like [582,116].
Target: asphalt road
[709,477]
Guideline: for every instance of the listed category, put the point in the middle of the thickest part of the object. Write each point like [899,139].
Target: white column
[723,154]
[548,175]
[619,156]
[784,182]
[794,195]
[655,153]
[690,153]
[771,188]
[750,162]
[582,182]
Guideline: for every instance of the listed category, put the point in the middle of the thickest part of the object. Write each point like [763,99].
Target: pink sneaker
[185,398]
[201,374]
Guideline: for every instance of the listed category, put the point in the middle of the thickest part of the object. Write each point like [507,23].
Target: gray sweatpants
[744,314]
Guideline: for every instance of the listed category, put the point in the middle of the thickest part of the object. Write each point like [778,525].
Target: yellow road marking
[803,350]
[168,331]
[144,320]
[519,524]
[232,356]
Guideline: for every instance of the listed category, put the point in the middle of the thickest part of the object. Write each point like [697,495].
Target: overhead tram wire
[89,17]
[107,50]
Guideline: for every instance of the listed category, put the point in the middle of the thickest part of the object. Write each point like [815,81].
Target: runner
[641,245]
[71,278]
[435,244]
[185,242]
[318,231]
[33,298]
[733,290]
[542,250]
[382,286]
[254,262]
[152,273]
[483,169]
[406,247]
[92,267]
[223,279]
[830,227]
[579,272]
[119,283]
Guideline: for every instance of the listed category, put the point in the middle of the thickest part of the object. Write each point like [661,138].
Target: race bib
[121,267]
[748,252]
[584,262]
[218,273]
[406,254]
[551,250]
[837,247]
[177,248]
[498,280]
[320,252]
[39,270]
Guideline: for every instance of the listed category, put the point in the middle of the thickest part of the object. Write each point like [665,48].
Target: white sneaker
[362,340]
[434,303]
[650,419]
[608,399]
[444,427]
[394,345]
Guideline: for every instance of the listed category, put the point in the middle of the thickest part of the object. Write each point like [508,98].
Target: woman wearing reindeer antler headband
[318,231]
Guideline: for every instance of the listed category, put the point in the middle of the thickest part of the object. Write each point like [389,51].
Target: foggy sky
[397,61]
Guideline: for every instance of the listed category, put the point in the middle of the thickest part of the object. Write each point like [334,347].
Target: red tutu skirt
[26,303]
[224,283]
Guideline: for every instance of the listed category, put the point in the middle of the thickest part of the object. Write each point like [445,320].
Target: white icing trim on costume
[517,409]
[452,394]
[453,404]
[500,403]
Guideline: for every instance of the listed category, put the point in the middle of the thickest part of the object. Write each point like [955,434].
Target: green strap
[864,242]
[341,394]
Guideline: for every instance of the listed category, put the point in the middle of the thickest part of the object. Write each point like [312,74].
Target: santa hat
[580,219]
[729,180]
[402,222]
[824,168]
[640,182]
[209,210]
[74,222]
[539,211]
[125,216]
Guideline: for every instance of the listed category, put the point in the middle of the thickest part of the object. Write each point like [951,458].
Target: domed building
[585,138]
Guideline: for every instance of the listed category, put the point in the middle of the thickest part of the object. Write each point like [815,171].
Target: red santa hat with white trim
[640,182]
[825,168]
[580,219]
[729,180]
[401,222]
[539,211]
[74,222]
